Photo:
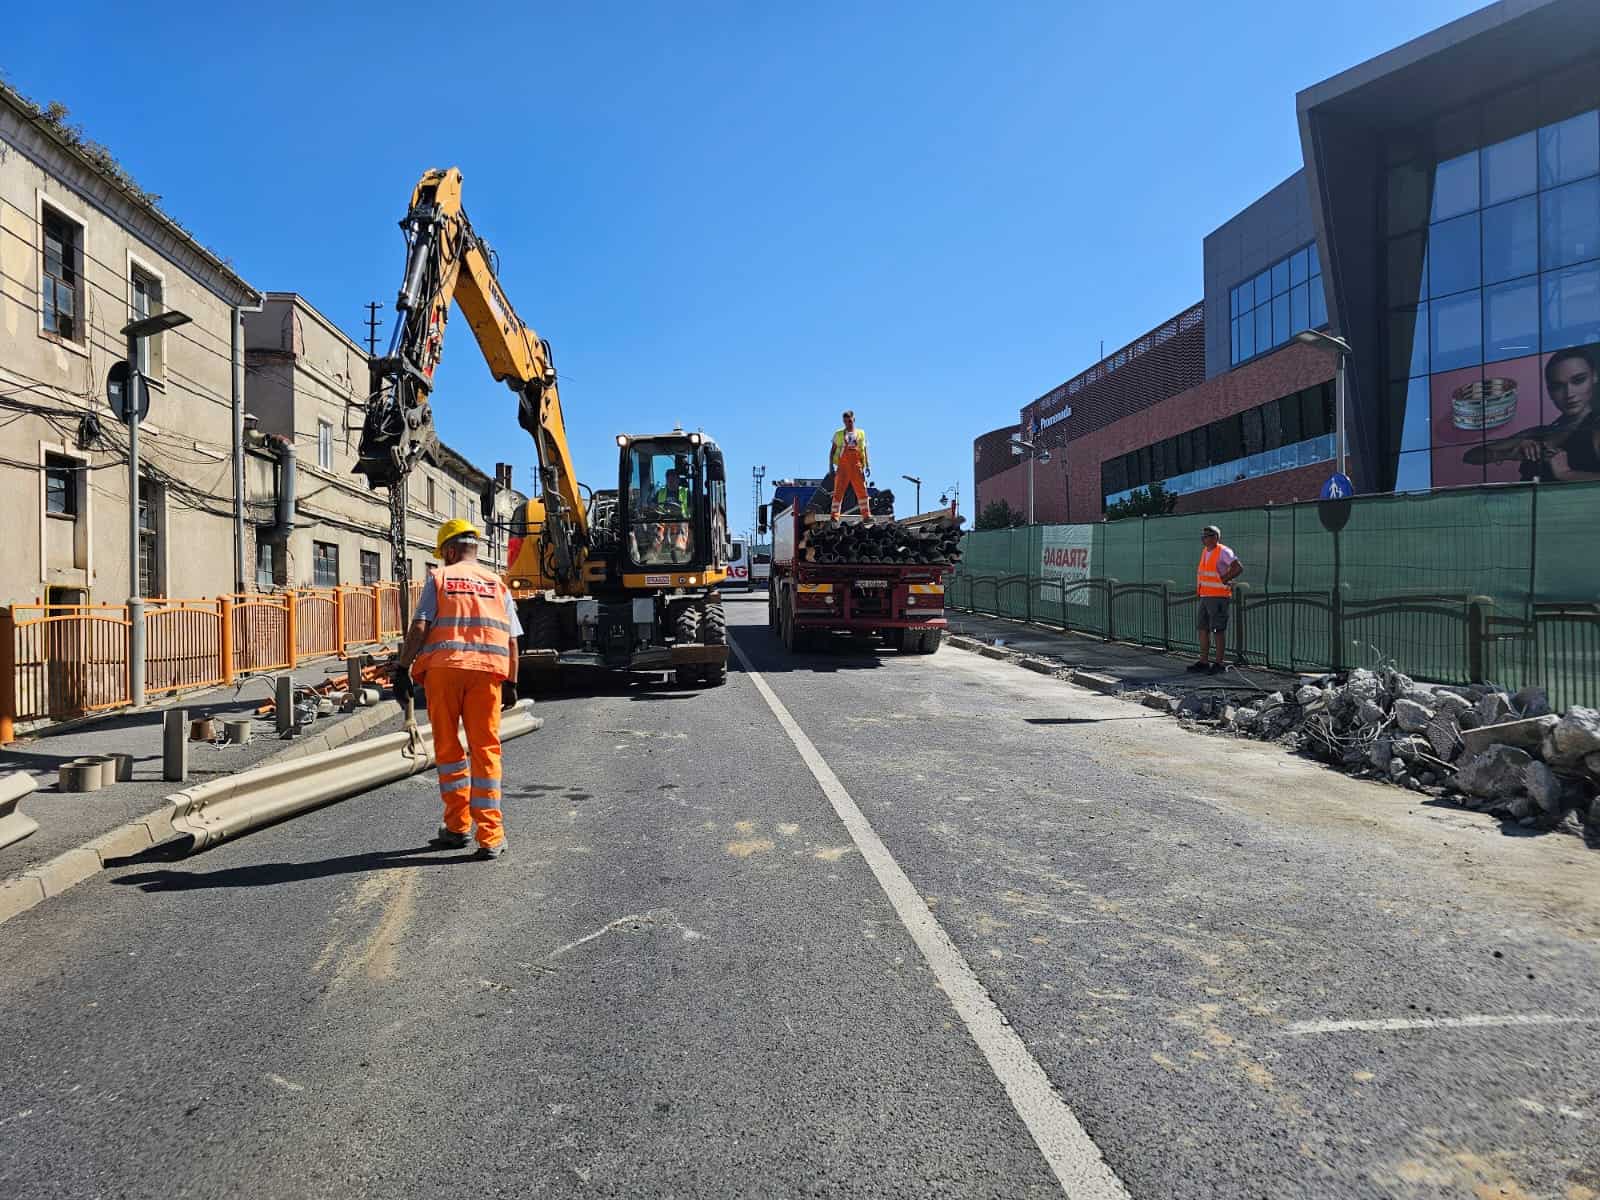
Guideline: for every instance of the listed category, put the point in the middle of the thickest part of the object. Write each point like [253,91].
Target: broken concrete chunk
[1397,768]
[1443,736]
[1307,694]
[1411,716]
[1493,708]
[1531,702]
[1577,733]
[1528,733]
[1540,782]
[1591,763]
[1496,772]
[1369,714]
[1380,754]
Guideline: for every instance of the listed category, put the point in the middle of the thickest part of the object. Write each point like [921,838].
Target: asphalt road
[1244,976]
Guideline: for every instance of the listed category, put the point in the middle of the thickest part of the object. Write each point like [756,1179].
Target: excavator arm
[446,260]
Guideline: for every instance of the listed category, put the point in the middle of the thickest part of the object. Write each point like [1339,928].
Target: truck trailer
[886,578]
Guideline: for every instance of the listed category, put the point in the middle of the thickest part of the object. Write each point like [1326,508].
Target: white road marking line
[1391,1024]
[1078,1165]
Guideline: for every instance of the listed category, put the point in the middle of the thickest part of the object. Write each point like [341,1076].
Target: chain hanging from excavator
[446,260]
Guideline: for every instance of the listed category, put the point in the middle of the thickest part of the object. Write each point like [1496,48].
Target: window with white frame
[61,275]
[62,476]
[144,300]
[325,444]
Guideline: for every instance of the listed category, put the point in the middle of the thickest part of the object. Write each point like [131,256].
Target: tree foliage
[1152,501]
[997,514]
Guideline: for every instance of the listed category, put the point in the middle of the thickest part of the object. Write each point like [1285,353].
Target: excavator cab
[673,510]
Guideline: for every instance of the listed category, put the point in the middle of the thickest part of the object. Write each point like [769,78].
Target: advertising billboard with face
[1527,418]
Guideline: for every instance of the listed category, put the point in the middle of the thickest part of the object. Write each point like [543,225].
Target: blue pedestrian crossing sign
[1338,487]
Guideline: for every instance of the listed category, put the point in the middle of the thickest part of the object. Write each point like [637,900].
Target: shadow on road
[268,874]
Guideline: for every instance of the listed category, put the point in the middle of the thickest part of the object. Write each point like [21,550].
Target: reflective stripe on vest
[469,629]
[1208,581]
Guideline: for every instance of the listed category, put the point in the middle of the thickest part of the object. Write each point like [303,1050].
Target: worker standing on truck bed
[847,459]
[462,645]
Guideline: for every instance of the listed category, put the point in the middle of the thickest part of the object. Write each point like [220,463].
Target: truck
[885,578]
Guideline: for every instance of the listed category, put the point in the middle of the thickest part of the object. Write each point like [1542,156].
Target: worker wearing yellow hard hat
[461,646]
[453,528]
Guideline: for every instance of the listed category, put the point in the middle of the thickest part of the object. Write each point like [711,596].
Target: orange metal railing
[66,660]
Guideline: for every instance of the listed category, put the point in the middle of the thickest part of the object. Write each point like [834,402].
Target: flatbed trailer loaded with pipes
[886,578]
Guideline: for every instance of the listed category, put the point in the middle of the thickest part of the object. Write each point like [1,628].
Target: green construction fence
[1493,584]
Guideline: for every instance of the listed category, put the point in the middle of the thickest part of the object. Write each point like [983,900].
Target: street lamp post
[913,479]
[135,332]
[1035,454]
[1341,351]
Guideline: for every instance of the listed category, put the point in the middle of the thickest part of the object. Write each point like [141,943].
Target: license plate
[872,583]
[657,580]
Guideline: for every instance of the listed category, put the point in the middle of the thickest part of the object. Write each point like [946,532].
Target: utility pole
[133,400]
[757,474]
[372,328]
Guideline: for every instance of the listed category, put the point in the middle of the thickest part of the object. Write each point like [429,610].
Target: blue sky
[739,217]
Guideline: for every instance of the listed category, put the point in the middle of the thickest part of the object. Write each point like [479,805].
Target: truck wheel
[930,641]
[772,610]
[714,632]
[786,628]
[686,632]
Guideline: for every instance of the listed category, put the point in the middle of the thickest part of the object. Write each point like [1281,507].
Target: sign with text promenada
[1065,558]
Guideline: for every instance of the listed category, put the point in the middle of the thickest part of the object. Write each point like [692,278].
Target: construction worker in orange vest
[461,647]
[1218,568]
[847,459]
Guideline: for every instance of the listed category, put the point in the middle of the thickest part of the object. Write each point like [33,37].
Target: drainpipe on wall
[239,310]
[283,448]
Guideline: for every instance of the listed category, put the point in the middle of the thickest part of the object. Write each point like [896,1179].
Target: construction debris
[1488,749]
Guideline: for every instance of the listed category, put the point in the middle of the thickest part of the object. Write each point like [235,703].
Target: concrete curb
[1107,685]
[223,806]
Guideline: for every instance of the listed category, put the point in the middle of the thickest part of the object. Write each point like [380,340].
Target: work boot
[490,853]
[449,839]
[1217,668]
[1202,665]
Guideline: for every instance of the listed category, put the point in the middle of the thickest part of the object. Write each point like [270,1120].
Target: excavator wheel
[541,630]
[714,632]
[686,631]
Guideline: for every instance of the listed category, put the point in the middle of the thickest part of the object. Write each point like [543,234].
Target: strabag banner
[1065,558]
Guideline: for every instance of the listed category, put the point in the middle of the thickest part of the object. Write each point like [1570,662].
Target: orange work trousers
[847,474]
[469,775]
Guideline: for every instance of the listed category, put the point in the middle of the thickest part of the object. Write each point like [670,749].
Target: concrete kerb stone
[1105,684]
[15,824]
[183,811]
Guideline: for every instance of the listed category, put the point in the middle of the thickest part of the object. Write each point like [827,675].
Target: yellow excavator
[624,578]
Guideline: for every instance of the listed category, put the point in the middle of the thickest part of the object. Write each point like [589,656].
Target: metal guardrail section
[1440,637]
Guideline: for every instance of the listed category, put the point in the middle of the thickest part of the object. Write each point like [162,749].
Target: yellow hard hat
[453,528]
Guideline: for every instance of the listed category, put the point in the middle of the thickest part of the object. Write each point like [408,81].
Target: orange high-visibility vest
[1208,581]
[469,630]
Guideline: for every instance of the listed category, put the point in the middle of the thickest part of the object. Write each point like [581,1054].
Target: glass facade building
[1492,281]
[1268,310]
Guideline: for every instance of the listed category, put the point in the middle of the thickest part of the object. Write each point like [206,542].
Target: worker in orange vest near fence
[461,647]
[1219,567]
[847,459]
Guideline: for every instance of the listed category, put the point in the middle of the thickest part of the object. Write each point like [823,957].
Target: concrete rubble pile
[1503,753]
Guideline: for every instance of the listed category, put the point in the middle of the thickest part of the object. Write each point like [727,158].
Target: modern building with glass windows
[1446,223]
